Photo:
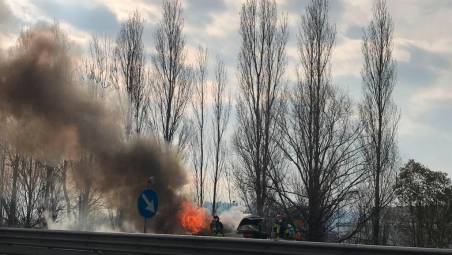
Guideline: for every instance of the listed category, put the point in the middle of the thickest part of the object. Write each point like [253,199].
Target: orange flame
[193,219]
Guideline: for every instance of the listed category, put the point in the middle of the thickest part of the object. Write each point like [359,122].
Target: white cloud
[27,12]
[431,97]
[218,27]
[347,58]
[122,9]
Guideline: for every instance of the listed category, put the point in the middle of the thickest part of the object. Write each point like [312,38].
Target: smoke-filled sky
[423,49]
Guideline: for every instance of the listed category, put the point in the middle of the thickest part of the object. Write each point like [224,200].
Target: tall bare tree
[49,185]
[88,197]
[320,138]
[12,205]
[221,112]
[171,89]
[30,178]
[100,68]
[378,112]
[130,55]
[199,109]
[64,180]
[262,64]
[22,170]
[3,154]
[107,68]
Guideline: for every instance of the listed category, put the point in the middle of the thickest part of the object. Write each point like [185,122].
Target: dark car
[252,227]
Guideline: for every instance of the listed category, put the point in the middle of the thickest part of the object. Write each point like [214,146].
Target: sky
[422,49]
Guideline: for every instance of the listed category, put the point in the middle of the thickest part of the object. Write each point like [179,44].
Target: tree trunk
[12,217]
[65,192]
[215,180]
[48,188]
[2,183]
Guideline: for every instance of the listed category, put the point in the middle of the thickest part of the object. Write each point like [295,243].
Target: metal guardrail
[37,242]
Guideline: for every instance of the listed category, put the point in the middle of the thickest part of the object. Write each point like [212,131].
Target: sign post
[148,203]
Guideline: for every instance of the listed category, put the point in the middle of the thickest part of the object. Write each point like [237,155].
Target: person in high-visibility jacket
[290,232]
[277,228]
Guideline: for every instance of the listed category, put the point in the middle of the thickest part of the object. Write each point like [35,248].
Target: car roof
[253,217]
[251,220]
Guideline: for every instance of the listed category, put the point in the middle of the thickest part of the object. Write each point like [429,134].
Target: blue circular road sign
[148,203]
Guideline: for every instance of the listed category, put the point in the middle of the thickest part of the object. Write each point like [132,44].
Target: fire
[193,219]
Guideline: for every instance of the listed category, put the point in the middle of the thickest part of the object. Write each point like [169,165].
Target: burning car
[252,227]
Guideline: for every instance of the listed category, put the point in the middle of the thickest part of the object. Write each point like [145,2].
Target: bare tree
[27,189]
[49,185]
[130,55]
[199,109]
[171,89]
[221,112]
[229,180]
[30,175]
[262,64]
[100,71]
[64,180]
[3,154]
[320,138]
[21,169]
[12,205]
[99,68]
[88,197]
[378,112]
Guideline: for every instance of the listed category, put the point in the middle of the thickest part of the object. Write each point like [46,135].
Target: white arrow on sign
[149,204]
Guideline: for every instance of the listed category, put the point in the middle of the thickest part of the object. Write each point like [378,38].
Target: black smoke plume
[44,112]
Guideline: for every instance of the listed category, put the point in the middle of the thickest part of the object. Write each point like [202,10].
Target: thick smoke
[231,218]
[46,114]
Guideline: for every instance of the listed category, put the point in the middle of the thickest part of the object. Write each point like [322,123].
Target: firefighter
[299,228]
[290,232]
[298,235]
[216,227]
[277,228]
